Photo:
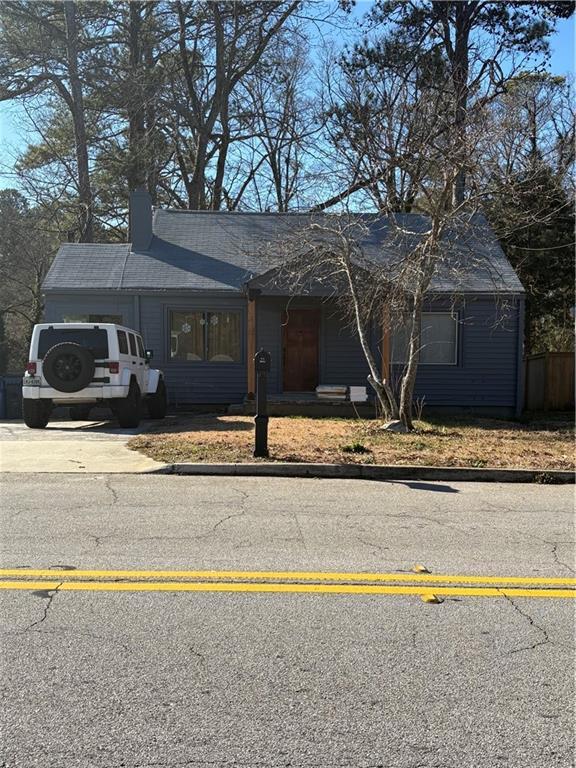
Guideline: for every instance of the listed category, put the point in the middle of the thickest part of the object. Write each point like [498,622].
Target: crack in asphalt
[245,496]
[108,484]
[371,544]
[441,523]
[557,560]
[300,536]
[51,594]
[545,638]
[225,520]
[554,551]
[198,655]
[98,539]
[91,635]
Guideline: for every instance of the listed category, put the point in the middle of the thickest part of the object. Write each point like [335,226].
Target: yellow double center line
[422,584]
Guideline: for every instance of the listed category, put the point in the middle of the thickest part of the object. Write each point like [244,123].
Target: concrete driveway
[71,446]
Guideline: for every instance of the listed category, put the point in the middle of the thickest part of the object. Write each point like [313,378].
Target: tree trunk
[409,377]
[151,89]
[197,186]
[460,71]
[532,110]
[383,390]
[77,109]
[222,156]
[136,128]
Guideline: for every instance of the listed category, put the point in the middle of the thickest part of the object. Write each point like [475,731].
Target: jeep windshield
[94,339]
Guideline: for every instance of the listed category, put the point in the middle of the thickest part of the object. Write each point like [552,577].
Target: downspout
[520,359]
[137,317]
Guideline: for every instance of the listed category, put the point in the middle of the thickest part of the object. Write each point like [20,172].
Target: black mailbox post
[262,367]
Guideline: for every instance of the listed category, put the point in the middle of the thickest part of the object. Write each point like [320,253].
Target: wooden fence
[549,383]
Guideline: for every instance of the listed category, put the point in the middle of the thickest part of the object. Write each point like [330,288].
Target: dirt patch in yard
[445,443]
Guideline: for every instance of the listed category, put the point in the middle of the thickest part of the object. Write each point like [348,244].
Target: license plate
[31,381]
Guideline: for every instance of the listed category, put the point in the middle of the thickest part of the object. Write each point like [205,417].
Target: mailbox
[262,361]
[261,367]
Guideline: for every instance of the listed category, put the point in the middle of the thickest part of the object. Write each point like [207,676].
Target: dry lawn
[447,442]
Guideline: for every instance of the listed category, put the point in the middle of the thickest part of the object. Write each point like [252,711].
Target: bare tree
[377,120]
[74,99]
[479,43]
[388,290]
[219,45]
[285,123]
[535,122]
[27,247]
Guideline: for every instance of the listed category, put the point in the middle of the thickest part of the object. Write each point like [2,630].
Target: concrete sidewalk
[79,446]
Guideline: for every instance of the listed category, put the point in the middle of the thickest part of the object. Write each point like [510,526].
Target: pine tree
[535,221]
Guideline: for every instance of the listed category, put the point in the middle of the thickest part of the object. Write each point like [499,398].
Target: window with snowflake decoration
[206,336]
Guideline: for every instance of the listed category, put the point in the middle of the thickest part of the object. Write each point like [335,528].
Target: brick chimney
[140,220]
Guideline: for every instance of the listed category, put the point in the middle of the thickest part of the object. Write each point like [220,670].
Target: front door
[300,350]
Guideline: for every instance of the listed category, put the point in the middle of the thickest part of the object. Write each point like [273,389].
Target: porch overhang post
[251,344]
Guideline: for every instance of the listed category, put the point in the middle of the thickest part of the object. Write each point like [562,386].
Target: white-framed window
[438,340]
[206,336]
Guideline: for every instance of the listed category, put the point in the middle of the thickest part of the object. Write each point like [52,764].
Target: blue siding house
[192,282]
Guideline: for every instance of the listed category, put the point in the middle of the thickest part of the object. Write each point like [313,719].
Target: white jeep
[82,364]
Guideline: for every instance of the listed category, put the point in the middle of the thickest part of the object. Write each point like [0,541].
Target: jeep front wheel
[36,412]
[128,410]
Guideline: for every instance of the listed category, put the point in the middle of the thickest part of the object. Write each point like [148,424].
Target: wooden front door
[300,350]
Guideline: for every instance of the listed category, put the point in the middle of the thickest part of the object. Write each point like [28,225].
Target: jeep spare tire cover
[68,367]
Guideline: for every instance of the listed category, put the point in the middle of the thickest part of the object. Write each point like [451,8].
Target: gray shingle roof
[87,265]
[221,251]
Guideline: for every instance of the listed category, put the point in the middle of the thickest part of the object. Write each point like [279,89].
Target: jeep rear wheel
[36,412]
[128,410]
[158,402]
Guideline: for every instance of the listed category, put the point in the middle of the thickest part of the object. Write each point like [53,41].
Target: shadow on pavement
[204,423]
[417,485]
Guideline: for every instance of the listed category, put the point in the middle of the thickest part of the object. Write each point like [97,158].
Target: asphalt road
[100,678]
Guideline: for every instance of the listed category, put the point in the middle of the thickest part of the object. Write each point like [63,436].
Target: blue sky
[562,45]
[13,140]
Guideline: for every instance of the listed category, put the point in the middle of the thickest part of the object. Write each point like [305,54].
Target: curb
[373,472]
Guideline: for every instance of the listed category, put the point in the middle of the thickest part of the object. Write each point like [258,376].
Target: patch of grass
[447,442]
[355,448]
